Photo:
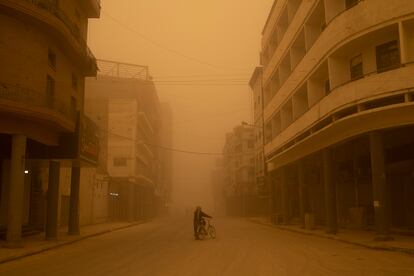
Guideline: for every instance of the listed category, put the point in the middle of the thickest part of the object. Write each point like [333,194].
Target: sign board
[83,144]
[88,140]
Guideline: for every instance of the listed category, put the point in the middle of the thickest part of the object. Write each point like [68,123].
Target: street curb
[409,251]
[63,243]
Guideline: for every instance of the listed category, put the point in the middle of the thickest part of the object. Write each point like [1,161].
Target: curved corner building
[43,61]
[338,92]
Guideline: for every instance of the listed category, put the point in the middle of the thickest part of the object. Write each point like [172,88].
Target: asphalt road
[166,247]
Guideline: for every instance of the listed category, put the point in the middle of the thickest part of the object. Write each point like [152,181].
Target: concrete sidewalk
[37,243]
[404,244]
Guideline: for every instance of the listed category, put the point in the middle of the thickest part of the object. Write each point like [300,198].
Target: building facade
[125,102]
[261,184]
[339,112]
[239,189]
[44,60]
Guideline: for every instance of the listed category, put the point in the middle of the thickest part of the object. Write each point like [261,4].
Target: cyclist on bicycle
[198,220]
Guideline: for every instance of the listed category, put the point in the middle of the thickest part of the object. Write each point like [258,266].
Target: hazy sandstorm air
[201,55]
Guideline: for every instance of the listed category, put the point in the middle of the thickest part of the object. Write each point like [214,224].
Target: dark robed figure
[198,220]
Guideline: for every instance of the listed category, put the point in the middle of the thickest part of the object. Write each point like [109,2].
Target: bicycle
[205,231]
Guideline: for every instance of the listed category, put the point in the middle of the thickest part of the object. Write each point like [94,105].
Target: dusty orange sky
[183,42]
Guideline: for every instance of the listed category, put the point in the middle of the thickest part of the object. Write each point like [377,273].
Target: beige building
[44,59]
[239,188]
[124,102]
[339,112]
[166,140]
[260,168]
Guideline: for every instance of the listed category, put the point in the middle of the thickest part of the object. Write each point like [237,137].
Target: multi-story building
[124,99]
[339,112]
[44,59]
[258,125]
[239,177]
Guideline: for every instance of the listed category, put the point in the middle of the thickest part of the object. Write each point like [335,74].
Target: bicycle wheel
[212,232]
[202,233]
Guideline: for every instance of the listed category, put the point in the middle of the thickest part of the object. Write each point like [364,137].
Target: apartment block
[44,60]
[125,102]
[339,113]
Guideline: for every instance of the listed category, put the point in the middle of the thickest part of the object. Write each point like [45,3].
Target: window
[120,162]
[74,81]
[388,56]
[52,59]
[356,68]
[50,90]
[350,3]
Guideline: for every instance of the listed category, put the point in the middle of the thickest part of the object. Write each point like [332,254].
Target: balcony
[334,37]
[48,12]
[93,8]
[28,103]
[354,104]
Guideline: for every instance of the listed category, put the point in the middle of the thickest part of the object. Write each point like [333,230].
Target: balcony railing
[34,98]
[52,7]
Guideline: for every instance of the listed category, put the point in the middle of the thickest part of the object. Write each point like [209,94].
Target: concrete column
[131,203]
[16,192]
[330,192]
[145,203]
[5,180]
[52,201]
[403,42]
[73,228]
[141,202]
[381,194]
[284,194]
[243,200]
[270,203]
[302,198]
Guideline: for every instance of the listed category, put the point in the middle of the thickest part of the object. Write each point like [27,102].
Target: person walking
[198,220]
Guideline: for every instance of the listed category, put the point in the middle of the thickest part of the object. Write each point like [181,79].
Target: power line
[174,149]
[204,75]
[159,45]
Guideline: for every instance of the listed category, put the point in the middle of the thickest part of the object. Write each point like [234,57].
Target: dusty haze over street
[221,137]
[201,55]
